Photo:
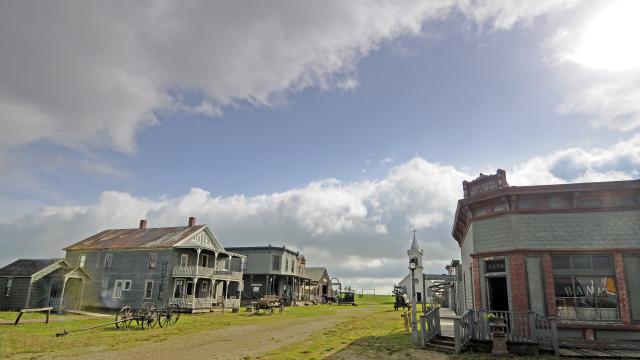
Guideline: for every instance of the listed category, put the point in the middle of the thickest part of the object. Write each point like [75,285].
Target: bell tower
[416,251]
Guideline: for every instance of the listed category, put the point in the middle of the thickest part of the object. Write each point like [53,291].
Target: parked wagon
[268,304]
[145,317]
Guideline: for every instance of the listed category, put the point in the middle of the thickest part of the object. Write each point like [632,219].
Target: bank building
[570,251]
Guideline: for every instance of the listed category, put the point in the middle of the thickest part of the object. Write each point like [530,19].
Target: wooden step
[441,348]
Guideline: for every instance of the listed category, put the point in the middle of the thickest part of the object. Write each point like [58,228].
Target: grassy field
[371,330]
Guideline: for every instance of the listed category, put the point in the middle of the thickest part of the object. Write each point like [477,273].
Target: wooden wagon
[268,304]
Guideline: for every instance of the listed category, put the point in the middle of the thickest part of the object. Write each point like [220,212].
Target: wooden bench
[22,311]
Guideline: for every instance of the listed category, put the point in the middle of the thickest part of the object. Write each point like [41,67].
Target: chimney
[192,221]
[143,224]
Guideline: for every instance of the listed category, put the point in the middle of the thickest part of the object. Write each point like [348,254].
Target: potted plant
[498,334]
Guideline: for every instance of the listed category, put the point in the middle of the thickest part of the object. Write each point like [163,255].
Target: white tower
[416,251]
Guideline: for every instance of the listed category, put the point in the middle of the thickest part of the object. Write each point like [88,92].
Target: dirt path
[232,342]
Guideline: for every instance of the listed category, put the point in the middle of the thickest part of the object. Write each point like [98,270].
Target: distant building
[320,282]
[273,270]
[185,265]
[571,251]
[421,285]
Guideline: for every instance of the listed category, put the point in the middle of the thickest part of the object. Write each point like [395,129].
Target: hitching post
[413,262]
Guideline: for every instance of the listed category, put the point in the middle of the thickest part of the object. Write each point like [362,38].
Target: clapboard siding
[126,265]
[18,295]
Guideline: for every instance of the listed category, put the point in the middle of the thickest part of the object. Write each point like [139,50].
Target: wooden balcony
[192,271]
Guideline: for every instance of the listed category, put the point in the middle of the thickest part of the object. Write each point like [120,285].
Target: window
[120,286]
[293,266]
[527,204]
[286,264]
[7,287]
[148,289]
[153,259]
[585,287]
[190,288]
[204,288]
[275,263]
[178,290]
[105,284]
[184,259]
[108,260]
[81,261]
[205,260]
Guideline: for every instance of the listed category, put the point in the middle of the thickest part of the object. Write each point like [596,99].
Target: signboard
[442,277]
[494,266]
[201,240]
[485,183]
[256,289]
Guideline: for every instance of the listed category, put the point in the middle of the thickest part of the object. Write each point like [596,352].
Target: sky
[333,127]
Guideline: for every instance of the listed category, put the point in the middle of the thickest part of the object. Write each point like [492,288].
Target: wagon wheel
[169,315]
[123,318]
[147,315]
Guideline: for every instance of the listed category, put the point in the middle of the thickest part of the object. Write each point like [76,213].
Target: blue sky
[342,131]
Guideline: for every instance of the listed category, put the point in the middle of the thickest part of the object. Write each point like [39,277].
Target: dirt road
[232,342]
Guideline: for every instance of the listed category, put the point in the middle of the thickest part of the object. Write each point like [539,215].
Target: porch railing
[527,327]
[464,329]
[430,325]
[191,271]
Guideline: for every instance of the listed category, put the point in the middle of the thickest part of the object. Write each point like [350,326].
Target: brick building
[571,251]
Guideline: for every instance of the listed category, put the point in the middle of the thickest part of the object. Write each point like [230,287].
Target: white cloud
[95,73]
[360,230]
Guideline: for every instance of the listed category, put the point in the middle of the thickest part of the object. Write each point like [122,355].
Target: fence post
[554,335]
[472,325]
[423,331]
[532,326]
[456,335]
[437,321]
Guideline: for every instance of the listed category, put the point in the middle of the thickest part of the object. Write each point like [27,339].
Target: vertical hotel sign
[485,183]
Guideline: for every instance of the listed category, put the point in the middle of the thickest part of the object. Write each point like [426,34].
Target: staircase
[445,344]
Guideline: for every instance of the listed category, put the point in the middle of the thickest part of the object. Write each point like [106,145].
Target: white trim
[49,269]
[217,246]
[123,284]
[81,260]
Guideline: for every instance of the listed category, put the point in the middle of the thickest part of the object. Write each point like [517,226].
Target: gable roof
[315,273]
[164,237]
[26,267]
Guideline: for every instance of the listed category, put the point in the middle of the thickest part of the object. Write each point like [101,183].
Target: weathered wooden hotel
[569,251]
[184,265]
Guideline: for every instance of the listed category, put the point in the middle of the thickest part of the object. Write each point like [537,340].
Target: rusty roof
[164,237]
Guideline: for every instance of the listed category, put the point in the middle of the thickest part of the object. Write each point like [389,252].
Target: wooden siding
[125,265]
[18,295]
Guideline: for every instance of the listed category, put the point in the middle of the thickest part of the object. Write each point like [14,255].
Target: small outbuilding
[320,284]
[29,283]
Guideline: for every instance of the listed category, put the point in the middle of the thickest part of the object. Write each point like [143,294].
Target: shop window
[585,287]
[632,271]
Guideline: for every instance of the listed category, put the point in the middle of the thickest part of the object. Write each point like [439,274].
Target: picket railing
[430,325]
[464,329]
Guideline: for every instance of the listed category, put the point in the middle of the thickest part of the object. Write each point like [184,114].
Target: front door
[498,293]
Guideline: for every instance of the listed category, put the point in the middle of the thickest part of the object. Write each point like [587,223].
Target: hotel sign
[485,183]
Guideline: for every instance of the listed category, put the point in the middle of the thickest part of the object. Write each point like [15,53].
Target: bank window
[153,260]
[585,287]
[108,260]
[7,287]
[275,263]
[148,289]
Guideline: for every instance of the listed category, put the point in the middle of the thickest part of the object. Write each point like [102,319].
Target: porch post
[197,261]
[26,303]
[81,295]
[226,292]
[193,295]
[229,266]
[215,261]
[61,305]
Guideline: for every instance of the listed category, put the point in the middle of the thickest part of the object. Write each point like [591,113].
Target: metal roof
[315,273]
[26,267]
[165,237]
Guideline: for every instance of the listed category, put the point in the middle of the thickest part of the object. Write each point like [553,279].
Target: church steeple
[415,250]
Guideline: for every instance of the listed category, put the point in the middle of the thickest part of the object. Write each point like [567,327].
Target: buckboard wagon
[146,317]
[268,304]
